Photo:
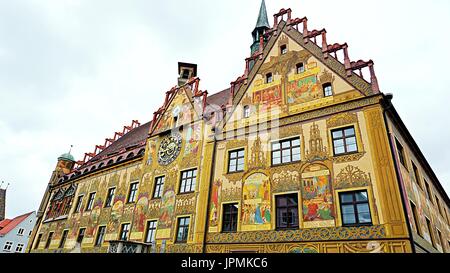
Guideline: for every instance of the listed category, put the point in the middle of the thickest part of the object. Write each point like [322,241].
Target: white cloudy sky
[74,72]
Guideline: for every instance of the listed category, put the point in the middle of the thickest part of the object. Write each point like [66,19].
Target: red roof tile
[7,225]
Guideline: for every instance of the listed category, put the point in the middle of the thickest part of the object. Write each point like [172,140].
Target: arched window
[110,162]
[327,90]
[130,155]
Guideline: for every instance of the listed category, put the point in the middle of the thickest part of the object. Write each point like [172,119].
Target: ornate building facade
[301,154]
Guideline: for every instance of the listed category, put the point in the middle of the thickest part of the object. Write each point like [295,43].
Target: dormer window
[300,68]
[327,90]
[283,49]
[269,78]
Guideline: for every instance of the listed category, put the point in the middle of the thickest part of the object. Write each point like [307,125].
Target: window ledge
[348,157]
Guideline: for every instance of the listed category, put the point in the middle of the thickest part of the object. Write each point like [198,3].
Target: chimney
[2,203]
[186,71]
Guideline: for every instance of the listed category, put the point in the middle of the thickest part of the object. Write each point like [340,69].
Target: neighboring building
[15,233]
[300,154]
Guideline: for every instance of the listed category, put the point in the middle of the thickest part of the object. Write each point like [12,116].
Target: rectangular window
[416,174]
[188,180]
[287,211]
[269,78]
[300,68]
[19,248]
[125,229]
[327,90]
[401,153]
[90,202]
[49,240]
[100,235]
[110,197]
[20,231]
[8,246]
[81,235]
[63,238]
[38,241]
[416,219]
[183,229]
[159,187]
[133,192]
[286,151]
[79,202]
[151,231]
[236,161]
[355,208]
[283,49]
[430,231]
[344,141]
[230,218]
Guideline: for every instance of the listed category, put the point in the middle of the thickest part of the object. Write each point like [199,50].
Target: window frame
[246,111]
[401,153]
[283,49]
[234,222]
[236,159]
[49,240]
[109,202]
[21,245]
[10,244]
[193,183]
[149,229]
[81,234]
[128,225]
[79,204]
[100,235]
[281,149]
[287,208]
[344,139]
[38,241]
[324,89]
[64,235]
[355,204]
[298,66]
[90,202]
[158,186]
[185,231]
[20,233]
[132,192]
[416,219]
[269,76]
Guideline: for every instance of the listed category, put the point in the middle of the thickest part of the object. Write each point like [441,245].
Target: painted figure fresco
[139,212]
[318,210]
[304,87]
[215,199]
[193,135]
[167,209]
[256,201]
[116,214]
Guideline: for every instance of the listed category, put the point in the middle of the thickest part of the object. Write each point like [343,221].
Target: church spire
[262,24]
[262,17]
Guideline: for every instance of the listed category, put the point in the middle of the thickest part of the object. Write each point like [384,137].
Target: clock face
[169,149]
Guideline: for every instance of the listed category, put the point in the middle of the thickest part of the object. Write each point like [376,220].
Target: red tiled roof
[220,98]
[9,224]
[133,137]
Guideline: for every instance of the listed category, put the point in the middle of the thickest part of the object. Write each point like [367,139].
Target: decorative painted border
[301,235]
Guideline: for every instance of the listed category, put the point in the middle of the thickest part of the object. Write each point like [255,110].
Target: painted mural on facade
[256,202]
[318,210]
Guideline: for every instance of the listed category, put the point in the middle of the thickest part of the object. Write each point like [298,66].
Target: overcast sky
[74,72]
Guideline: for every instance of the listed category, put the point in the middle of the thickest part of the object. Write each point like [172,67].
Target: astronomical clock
[169,149]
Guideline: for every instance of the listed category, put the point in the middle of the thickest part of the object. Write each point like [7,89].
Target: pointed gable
[294,74]
[181,107]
